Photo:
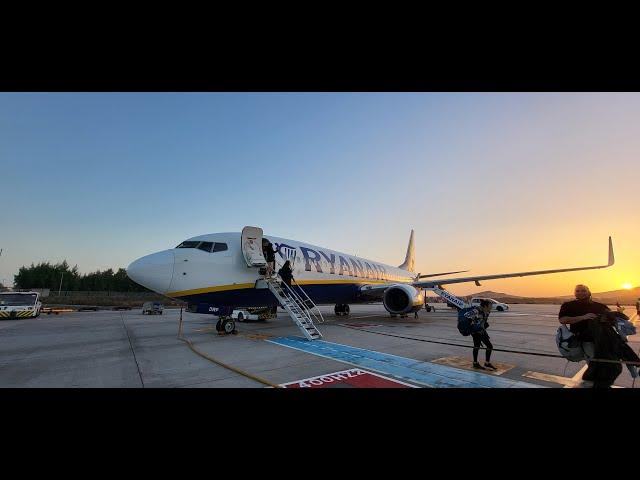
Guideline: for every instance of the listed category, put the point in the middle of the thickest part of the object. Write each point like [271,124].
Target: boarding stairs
[299,306]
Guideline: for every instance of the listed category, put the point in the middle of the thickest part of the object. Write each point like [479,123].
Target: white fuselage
[224,278]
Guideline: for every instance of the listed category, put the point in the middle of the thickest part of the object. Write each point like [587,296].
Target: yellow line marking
[227,366]
[547,377]
[206,329]
[220,288]
[240,286]
[466,364]
[573,382]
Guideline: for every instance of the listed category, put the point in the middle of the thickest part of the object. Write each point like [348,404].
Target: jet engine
[401,299]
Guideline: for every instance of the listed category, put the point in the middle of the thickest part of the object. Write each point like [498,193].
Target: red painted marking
[353,378]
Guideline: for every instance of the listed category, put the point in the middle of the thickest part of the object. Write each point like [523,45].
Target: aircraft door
[252,247]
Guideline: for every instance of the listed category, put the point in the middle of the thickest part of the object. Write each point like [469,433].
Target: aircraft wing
[376,290]
[434,283]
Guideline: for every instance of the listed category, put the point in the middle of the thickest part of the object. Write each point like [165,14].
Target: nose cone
[153,271]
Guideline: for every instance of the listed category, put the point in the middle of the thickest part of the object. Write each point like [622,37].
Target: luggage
[466,321]
[623,326]
[570,347]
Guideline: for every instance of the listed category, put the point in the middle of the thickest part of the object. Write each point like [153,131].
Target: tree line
[46,275]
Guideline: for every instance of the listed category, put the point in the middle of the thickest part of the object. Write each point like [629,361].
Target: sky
[490,182]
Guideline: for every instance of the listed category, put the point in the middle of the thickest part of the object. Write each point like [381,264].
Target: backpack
[466,325]
[570,347]
[623,326]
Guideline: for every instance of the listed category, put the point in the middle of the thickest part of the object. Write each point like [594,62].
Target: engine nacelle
[401,299]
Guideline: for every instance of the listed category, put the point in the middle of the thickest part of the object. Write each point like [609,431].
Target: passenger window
[188,244]
[219,247]
[205,246]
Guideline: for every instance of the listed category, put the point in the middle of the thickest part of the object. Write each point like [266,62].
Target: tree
[46,275]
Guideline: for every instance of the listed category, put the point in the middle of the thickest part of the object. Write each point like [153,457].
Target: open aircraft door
[252,247]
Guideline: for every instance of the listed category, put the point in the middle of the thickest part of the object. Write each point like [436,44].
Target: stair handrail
[312,302]
[301,304]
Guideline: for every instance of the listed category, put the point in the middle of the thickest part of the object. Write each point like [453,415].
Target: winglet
[612,260]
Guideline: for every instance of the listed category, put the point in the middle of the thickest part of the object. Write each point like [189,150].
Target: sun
[627,286]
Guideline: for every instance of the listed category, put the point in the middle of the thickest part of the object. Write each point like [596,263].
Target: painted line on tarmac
[416,371]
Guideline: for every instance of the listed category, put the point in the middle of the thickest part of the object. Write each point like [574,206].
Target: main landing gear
[341,309]
[225,326]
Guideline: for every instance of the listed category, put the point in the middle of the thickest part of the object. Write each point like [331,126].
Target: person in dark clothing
[286,273]
[481,336]
[638,308]
[269,256]
[591,321]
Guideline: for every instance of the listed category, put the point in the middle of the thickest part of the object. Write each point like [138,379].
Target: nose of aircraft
[153,271]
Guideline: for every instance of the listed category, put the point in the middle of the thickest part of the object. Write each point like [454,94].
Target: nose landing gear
[225,326]
[341,309]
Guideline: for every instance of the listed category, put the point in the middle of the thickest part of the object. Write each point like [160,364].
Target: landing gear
[226,326]
[341,309]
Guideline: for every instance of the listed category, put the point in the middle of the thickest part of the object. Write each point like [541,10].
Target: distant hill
[625,297]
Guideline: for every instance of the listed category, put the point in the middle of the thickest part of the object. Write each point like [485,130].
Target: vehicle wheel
[219,326]
[500,308]
[346,310]
[229,325]
[240,317]
[337,309]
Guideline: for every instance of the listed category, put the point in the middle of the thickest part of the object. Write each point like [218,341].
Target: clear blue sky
[491,182]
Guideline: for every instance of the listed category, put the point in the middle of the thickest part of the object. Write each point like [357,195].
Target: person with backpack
[479,324]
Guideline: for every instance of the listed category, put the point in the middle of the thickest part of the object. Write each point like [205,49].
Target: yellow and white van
[14,305]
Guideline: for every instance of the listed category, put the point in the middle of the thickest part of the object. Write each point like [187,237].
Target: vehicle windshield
[16,299]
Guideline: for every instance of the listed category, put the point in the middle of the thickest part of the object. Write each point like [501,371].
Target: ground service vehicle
[20,305]
[152,308]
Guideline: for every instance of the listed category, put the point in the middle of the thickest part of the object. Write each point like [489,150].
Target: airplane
[221,271]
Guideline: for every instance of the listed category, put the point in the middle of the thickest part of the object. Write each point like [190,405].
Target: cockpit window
[206,246]
[220,247]
[188,244]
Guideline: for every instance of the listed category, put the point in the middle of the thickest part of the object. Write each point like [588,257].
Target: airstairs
[294,300]
[298,305]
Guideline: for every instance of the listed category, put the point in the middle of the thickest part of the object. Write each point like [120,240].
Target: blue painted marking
[424,373]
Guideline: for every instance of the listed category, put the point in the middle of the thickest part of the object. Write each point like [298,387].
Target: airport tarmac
[368,348]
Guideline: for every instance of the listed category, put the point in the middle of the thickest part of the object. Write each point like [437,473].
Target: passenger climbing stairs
[298,305]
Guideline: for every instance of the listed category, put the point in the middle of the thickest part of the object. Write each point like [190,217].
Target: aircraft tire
[219,326]
[345,309]
[228,326]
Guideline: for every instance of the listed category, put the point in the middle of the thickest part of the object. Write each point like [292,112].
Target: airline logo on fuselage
[337,265]
[286,252]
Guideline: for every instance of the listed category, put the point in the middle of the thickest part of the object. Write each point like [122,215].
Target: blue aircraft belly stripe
[424,373]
